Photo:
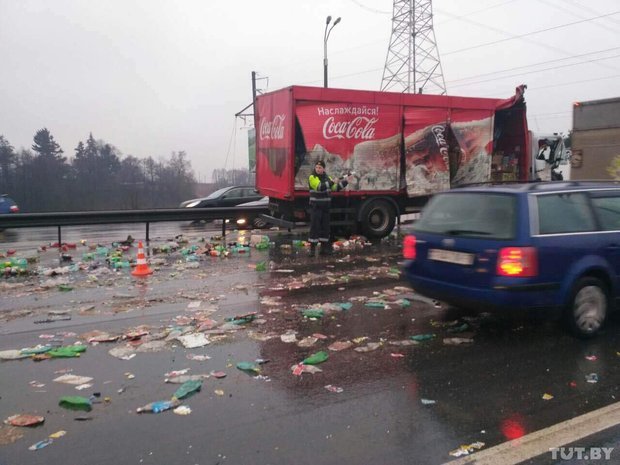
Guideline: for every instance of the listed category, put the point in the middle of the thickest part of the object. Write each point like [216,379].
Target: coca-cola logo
[360,127]
[440,138]
[273,129]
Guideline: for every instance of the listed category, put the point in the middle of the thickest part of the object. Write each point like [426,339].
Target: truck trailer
[596,140]
[398,148]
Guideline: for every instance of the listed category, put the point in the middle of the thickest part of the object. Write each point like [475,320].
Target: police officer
[321,186]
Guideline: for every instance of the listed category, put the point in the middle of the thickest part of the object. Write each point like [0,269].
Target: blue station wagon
[547,246]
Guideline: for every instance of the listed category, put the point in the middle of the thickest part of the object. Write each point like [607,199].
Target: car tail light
[14,209]
[517,261]
[409,247]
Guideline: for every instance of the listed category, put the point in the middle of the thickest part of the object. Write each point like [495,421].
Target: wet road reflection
[404,381]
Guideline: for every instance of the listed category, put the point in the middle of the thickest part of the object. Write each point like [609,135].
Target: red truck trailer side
[401,148]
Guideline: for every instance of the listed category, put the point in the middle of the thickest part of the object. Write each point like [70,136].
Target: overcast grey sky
[156,76]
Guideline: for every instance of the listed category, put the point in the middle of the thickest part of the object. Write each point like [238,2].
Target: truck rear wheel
[377,219]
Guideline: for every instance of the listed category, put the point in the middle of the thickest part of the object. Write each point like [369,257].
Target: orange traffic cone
[142,268]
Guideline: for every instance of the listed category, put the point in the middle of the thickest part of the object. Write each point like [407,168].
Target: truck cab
[550,158]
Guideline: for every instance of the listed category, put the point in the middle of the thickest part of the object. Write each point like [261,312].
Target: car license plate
[450,256]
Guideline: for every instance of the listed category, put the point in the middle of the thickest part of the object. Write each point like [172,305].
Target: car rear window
[471,214]
[607,208]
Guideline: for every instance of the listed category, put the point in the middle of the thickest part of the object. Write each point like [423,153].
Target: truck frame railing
[59,219]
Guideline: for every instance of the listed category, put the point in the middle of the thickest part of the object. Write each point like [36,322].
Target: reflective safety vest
[321,188]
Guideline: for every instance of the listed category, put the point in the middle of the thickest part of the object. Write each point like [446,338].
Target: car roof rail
[574,183]
[489,183]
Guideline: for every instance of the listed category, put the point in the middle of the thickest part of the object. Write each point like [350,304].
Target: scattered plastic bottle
[101,251]
[41,444]
[316,358]
[19,263]
[159,406]
[188,388]
[592,378]
[76,403]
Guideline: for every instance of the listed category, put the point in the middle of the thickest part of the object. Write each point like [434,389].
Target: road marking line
[539,442]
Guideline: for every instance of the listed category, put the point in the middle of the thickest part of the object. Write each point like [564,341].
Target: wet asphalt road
[489,391]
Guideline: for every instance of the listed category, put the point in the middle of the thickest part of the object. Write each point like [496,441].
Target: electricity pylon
[412,63]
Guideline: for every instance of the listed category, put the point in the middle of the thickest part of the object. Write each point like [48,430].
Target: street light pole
[325,37]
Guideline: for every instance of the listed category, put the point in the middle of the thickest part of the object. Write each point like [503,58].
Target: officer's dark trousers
[319,223]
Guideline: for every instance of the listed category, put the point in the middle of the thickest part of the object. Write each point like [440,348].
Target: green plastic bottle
[316,358]
[188,388]
[76,403]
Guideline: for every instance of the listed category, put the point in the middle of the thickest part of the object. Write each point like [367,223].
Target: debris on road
[46,442]
[181,379]
[194,340]
[123,353]
[249,367]
[198,358]
[334,389]
[193,317]
[12,354]
[369,347]
[289,337]
[67,351]
[24,419]
[76,403]
[455,341]
[467,449]
[73,379]
[301,368]
[159,406]
[187,389]
[308,341]
[182,410]
[316,358]
[242,319]
[313,313]
[340,345]
[422,337]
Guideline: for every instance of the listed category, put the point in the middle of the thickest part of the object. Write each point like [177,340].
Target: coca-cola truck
[399,149]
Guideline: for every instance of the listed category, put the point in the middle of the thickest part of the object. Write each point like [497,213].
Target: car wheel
[588,308]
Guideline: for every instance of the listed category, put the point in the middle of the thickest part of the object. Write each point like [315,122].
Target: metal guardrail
[59,219]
